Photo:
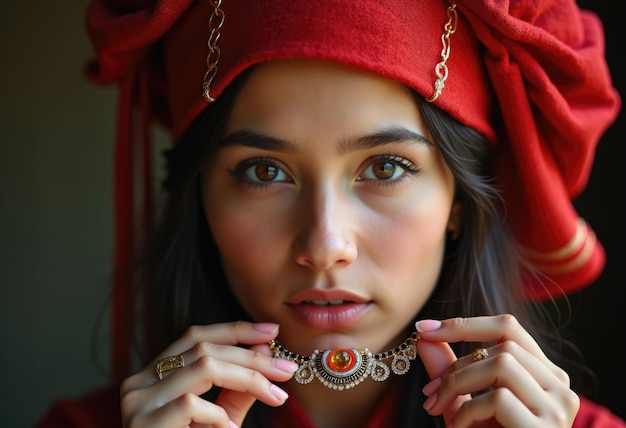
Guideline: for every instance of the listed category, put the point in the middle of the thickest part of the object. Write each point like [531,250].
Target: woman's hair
[181,282]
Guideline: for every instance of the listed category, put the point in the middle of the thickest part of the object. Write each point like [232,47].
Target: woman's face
[328,202]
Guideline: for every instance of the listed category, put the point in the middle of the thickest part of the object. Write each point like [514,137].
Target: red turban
[530,75]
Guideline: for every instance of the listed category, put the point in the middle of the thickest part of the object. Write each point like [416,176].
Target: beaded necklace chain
[342,369]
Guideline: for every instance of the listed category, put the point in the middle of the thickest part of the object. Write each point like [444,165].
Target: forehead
[295,95]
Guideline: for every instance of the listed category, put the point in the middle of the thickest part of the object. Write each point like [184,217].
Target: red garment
[539,63]
[98,409]
[550,82]
[101,409]
[291,414]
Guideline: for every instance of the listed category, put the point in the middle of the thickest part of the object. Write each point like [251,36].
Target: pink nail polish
[285,365]
[427,325]
[266,327]
[430,402]
[231,424]
[278,393]
[431,386]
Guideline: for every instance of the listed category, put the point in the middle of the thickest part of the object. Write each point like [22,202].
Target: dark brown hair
[181,282]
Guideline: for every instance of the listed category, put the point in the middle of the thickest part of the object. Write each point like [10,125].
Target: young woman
[364,201]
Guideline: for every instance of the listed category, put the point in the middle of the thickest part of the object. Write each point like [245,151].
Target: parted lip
[340,314]
[330,295]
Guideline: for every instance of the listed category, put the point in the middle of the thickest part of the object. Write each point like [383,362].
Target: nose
[325,239]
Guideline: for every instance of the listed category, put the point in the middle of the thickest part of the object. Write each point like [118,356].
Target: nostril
[326,258]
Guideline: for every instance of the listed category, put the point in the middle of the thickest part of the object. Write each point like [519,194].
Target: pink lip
[328,317]
[326,295]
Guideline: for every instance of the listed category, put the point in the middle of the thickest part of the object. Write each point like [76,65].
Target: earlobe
[454,221]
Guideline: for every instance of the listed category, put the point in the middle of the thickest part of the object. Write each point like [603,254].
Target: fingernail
[278,393]
[285,365]
[231,424]
[431,386]
[266,327]
[430,402]
[427,325]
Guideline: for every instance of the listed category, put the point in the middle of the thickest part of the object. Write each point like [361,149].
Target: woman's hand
[515,386]
[210,359]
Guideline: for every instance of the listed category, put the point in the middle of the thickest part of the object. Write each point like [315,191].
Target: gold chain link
[216,21]
[441,69]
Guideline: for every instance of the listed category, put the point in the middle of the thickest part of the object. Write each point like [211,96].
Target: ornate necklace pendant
[337,368]
[342,369]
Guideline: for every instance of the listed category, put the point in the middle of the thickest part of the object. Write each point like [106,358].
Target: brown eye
[388,168]
[266,172]
[262,171]
[384,170]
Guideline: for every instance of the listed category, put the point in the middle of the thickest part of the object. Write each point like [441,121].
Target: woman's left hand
[515,386]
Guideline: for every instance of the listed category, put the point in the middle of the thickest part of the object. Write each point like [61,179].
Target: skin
[306,209]
[326,221]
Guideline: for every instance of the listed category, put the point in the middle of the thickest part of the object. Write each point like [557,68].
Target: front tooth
[335,302]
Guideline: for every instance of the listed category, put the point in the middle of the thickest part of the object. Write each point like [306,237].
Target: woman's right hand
[211,359]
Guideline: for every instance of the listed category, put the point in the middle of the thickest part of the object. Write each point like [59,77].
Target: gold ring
[479,354]
[169,363]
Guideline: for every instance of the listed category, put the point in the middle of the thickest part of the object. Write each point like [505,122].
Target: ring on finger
[479,354]
[169,363]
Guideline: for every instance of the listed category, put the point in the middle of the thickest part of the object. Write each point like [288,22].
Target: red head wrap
[540,63]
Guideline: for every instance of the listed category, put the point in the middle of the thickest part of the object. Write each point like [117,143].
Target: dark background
[599,324]
[56,134]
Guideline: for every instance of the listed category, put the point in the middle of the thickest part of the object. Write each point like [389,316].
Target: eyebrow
[396,134]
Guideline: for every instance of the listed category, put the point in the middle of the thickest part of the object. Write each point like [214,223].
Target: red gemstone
[341,360]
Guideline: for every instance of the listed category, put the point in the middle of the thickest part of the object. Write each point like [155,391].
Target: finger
[499,405]
[237,404]
[496,329]
[233,333]
[224,333]
[280,370]
[185,411]
[273,368]
[262,349]
[208,371]
[200,377]
[502,370]
[512,368]
[545,377]
[437,357]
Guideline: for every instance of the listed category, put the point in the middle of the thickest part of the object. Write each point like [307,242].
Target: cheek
[411,267]
[413,226]
[415,246]
[245,231]
[250,253]
[408,243]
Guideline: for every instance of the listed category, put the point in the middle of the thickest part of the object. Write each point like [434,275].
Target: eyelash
[410,170]
[240,170]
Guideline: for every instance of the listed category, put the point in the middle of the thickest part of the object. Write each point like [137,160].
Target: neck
[353,408]
[344,406]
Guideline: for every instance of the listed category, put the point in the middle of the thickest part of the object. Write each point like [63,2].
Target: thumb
[236,403]
[437,357]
